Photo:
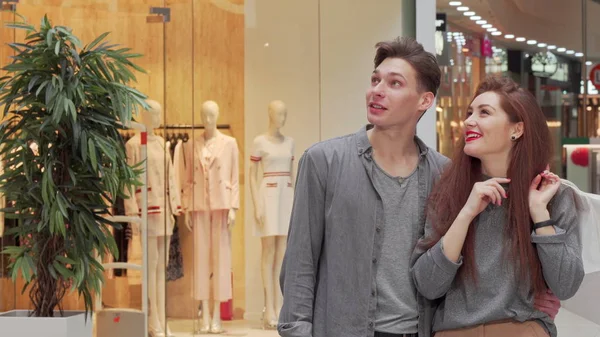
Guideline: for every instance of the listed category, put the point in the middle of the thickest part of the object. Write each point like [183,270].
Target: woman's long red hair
[529,156]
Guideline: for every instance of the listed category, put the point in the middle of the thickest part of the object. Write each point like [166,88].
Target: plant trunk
[47,292]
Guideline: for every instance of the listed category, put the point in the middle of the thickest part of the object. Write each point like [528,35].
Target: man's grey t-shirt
[396,295]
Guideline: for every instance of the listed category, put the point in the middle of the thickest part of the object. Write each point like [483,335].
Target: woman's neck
[495,168]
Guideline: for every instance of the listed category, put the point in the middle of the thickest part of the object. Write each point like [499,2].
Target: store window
[237,91]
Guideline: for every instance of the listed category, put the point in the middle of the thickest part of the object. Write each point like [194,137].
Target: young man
[359,211]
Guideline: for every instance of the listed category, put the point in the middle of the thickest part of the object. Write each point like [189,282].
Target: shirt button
[371,325]
[374,260]
[378,229]
[373,293]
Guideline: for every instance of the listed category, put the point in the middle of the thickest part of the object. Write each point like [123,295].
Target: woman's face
[488,129]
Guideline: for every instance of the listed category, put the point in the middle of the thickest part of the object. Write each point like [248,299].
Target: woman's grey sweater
[499,293]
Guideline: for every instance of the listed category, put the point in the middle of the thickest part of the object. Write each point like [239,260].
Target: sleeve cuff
[442,261]
[295,329]
[559,237]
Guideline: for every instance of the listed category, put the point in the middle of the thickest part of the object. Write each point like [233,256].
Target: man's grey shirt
[397,306]
[328,274]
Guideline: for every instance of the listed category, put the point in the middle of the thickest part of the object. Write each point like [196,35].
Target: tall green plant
[64,162]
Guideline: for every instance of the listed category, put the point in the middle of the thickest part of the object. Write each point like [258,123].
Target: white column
[426,129]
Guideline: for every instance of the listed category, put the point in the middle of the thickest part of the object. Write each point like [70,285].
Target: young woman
[500,228]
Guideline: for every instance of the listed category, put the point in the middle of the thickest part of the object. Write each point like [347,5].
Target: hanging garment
[175,266]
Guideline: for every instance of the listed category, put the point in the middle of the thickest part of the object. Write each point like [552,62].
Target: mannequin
[211,199]
[272,203]
[160,220]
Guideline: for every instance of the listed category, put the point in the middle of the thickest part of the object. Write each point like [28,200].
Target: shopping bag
[589,227]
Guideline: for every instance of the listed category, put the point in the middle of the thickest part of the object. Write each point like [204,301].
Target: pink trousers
[212,256]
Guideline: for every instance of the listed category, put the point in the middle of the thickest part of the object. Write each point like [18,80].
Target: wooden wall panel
[125,19]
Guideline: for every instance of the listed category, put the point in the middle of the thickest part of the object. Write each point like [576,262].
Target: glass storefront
[222,78]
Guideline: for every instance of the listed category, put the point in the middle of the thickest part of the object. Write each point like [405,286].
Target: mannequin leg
[216,320]
[205,316]
[280,246]
[268,257]
[161,273]
[153,321]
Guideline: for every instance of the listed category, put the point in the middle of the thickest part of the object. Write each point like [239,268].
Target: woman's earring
[513,137]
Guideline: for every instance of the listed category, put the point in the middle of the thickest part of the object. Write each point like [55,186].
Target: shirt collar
[364,145]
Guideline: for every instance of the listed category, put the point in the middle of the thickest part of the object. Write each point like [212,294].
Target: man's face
[394,98]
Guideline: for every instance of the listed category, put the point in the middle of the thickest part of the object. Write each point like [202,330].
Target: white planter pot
[19,323]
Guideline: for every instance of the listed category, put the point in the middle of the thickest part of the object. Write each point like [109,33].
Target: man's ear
[425,102]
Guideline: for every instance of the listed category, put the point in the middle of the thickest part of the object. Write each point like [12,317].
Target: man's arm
[305,237]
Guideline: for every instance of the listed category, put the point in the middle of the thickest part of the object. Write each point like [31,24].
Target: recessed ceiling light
[455,3]
[492,29]
[487,25]
[561,50]
[481,22]
[542,45]
[509,36]
[578,54]
[552,47]
[497,33]
[531,42]
[475,17]
[570,52]
[589,63]
[469,13]
[462,9]
[521,39]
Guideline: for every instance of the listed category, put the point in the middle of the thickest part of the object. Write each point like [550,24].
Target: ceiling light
[509,36]
[542,45]
[570,52]
[561,50]
[469,13]
[475,17]
[496,33]
[552,47]
[462,9]
[481,22]
[455,3]
[521,39]
[589,63]
[492,29]
[487,25]
[578,54]
[531,42]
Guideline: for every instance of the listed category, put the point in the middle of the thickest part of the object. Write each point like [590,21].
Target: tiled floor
[569,325]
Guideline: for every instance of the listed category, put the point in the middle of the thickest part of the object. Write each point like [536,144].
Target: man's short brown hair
[411,51]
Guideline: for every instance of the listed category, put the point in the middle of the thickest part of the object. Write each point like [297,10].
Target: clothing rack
[172,132]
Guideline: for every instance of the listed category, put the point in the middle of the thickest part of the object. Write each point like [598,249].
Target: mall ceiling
[547,22]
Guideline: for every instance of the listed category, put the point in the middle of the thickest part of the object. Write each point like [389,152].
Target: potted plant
[64,165]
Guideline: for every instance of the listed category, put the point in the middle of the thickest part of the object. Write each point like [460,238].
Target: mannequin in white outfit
[272,200]
[163,204]
[211,199]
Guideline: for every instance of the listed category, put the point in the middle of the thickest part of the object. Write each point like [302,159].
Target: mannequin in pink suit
[211,199]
